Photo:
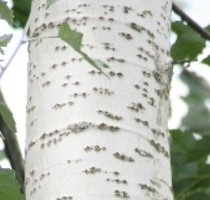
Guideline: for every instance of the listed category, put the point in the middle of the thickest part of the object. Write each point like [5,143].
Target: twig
[39,38]
[203,32]
[3,69]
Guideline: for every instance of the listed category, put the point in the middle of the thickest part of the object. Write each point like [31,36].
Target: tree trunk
[89,136]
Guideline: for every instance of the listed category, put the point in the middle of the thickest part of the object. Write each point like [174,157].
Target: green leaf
[6,13]
[207,28]
[21,10]
[198,116]
[190,179]
[90,61]
[50,2]
[74,39]
[200,150]
[206,60]
[188,45]
[7,117]
[189,186]
[4,40]
[101,64]
[2,154]
[9,188]
[181,144]
[198,195]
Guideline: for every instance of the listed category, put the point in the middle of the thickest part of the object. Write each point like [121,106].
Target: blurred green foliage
[21,10]
[190,148]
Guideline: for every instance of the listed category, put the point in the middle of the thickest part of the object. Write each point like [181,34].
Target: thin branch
[12,150]
[39,38]
[194,25]
[3,69]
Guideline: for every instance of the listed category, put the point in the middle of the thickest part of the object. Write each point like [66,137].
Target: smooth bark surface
[89,136]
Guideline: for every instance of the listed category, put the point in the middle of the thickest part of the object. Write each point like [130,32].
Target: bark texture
[90,137]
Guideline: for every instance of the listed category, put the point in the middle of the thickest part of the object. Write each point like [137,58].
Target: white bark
[90,137]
